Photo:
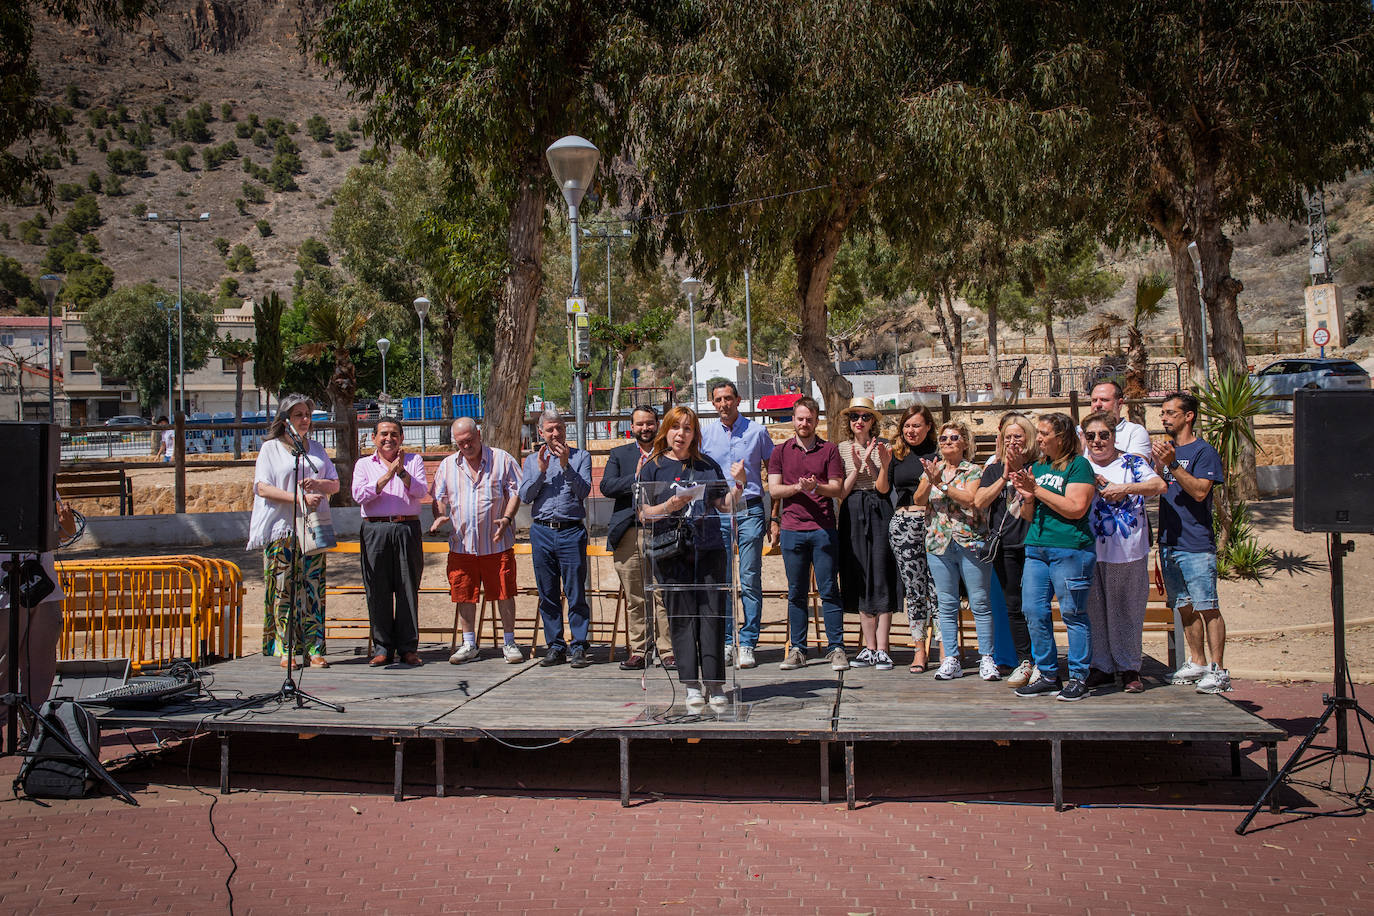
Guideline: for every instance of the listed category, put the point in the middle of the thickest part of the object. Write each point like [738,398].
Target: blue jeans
[1190,577]
[560,568]
[749,529]
[1067,574]
[801,552]
[947,569]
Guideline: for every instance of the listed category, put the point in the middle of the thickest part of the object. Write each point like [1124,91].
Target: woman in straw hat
[868,572]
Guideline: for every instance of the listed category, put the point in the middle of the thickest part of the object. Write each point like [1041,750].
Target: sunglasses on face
[1101,435]
[859,419]
[954,437]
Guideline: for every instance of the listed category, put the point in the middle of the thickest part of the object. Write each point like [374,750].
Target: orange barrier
[152,609]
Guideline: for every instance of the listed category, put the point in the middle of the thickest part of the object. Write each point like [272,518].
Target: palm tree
[1149,290]
[239,352]
[336,325]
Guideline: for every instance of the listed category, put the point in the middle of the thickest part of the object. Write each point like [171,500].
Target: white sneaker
[695,701]
[466,653]
[987,669]
[838,660]
[1188,674]
[864,659]
[882,661]
[746,657]
[1216,680]
[729,656]
[512,654]
[719,700]
[1022,675]
[949,669]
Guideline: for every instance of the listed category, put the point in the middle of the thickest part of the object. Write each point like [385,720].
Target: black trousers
[393,560]
[1008,563]
[697,617]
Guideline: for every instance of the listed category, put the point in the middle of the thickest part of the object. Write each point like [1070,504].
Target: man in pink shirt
[477,488]
[389,485]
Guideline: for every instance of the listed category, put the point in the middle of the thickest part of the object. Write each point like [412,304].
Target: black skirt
[868,571]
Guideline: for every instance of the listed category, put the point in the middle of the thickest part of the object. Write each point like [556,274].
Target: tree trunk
[1137,362]
[615,385]
[994,370]
[517,314]
[814,253]
[238,410]
[343,386]
[1054,350]
[952,335]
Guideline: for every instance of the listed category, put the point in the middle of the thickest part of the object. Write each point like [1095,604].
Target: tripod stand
[1338,703]
[17,701]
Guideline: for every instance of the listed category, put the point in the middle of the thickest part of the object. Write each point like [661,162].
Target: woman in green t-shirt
[1060,555]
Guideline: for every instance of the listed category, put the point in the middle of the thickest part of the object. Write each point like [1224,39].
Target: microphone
[298,445]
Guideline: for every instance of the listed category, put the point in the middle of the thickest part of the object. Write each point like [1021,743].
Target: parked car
[127,420]
[1288,375]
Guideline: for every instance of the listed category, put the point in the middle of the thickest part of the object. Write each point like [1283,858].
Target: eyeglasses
[1101,435]
[861,418]
[954,437]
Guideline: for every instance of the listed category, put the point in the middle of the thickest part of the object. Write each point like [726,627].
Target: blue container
[464,405]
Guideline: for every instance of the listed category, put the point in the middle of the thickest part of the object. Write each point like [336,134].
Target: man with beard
[618,483]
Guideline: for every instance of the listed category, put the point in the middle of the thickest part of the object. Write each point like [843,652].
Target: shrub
[93,182]
[274,127]
[114,186]
[370,155]
[121,113]
[66,191]
[73,95]
[229,286]
[98,117]
[4,230]
[90,136]
[140,210]
[343,142]
[84,215]
[241,259]
[260,139]
[287,145]
[91,243]
[102,144]
[61,236]
[64,114]
[284,166]
[141,137]
[254,193]
[126,161]
[264,228]
[243,130]
[226,111]
[183,157]
[221,245]
[160,115]
[318,129]
[253,121]
[30,234]
[241,206]
[312,253]
[353,124]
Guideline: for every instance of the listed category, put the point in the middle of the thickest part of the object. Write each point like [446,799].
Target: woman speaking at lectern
[288,443]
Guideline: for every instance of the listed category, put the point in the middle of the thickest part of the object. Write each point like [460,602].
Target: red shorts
[494,573]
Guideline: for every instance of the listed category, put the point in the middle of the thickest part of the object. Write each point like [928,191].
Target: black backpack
[49,769]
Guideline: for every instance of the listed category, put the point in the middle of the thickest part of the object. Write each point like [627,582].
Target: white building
[714,363]
[24,367]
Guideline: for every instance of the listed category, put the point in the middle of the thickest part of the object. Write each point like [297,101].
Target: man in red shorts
[477,488]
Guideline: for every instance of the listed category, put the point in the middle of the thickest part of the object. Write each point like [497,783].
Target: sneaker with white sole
[512,654]
[746,657]
[949,669]
[1040,687]
[1188,674]
[864,659]
[796,658]
[987,669]
[696,701]
[466,653]
[1216,680]
[882,661]
[1073,689]
[1022,675]
[838,660]
[729,656]
[718,699]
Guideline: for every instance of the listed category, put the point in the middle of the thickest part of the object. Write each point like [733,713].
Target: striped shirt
[476,498]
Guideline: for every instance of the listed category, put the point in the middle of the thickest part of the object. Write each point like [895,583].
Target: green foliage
[127,335]
[98,117]
[4,230]
[269,362]
[312,253]
[318,129]
[15,283]
[280,177]
[241,206]
[140,210]
[343,142]
[1229,405]
[214,156]
[286,145]
[264,228]
[261,140]
[243,130]
[91,243]
[353,124]
[73,95]
[126,162]
[221,244]
[183,155]
[84,215]
[30,234]
[193,126]
[94,183]
[226,111]
[253,193]
[274,127]
[114,186]
[68,192]
[241,259]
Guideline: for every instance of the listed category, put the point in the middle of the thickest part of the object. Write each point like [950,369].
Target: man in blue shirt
[731,441]
[555,481]
[1187,548]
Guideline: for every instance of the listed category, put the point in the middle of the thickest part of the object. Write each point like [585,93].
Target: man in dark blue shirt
[1187,547]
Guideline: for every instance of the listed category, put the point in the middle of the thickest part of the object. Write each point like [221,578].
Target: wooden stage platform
[531,705]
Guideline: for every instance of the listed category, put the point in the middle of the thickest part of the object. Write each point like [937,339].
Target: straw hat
[862,405]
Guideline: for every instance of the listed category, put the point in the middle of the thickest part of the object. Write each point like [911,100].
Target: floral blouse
[950,522]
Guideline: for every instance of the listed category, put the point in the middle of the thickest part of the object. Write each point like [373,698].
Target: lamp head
[383,344]
[573,162]
[151,217]
[204,217]
[50,284]
[690,286]
[422,307]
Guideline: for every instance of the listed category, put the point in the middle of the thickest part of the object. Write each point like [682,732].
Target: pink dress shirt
[397,497]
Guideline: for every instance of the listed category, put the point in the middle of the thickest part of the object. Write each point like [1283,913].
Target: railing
[1160,345]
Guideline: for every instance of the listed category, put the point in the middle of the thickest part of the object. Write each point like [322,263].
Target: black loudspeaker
[28,520]
[1333,461]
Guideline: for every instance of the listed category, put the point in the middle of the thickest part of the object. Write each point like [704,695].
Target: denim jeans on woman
[1066,574]
[958,562]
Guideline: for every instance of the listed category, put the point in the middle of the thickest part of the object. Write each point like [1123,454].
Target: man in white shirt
[1130,437]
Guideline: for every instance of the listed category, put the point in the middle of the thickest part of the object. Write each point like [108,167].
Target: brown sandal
[318,661]
[918,666]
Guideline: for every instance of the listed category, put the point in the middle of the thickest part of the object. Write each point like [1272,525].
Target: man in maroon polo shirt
[804,475]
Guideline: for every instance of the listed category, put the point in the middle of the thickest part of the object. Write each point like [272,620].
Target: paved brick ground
[963,827]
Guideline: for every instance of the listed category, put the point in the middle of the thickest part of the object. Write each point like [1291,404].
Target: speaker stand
[1338,704]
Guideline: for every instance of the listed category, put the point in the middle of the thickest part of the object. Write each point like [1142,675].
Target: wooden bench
[96,484]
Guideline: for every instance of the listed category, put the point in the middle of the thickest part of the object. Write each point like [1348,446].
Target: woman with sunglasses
[954,543]
[868,573]
[1007,529]
[1121,584]
[1056,492]
[907,530]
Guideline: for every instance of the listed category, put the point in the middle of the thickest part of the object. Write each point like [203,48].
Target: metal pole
[424,413]
[579,396]
[692,342]
[181,339]
[383,372]
[749,341]
[51,415]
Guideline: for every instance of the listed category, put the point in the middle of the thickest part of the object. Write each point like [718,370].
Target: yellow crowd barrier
[152,609]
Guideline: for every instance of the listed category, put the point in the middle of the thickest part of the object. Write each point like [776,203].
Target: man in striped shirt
[477,488]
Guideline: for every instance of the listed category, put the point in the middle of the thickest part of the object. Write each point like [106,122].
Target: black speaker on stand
[1333,491]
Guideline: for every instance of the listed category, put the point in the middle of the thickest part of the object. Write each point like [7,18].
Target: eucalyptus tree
[488,85]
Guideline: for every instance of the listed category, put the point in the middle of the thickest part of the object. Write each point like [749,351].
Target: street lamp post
[749,342]
[181,340]
[422,309]
[383,345]
[50,284]
[690,287]
[573,160]
[167,313]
